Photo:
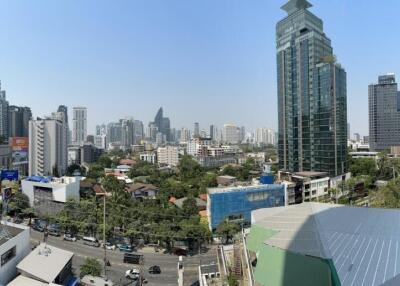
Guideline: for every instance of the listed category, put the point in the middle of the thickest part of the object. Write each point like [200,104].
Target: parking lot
[116,272]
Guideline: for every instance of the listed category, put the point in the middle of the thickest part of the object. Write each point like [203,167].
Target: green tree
[387,196]
[363,166]
[189,207]
[18,203]
[91,267]
[227,230]
[189,168]
[232,281]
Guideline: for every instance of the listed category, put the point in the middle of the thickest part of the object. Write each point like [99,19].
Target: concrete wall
[22,243]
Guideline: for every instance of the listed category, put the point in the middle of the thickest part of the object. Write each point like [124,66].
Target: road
[116,272]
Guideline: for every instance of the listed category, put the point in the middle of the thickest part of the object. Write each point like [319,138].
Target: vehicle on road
[109,246]
[39,225]
[133,258]
[126,248]
[54,232]
[133,274]
[155,269]
[69,237]
[91,241]
[180,251]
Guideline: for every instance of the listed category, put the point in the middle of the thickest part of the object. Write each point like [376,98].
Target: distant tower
[196,131]
[4,115]
[79,131]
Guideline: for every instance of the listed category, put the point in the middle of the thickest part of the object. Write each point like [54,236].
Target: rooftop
[12,229]
[362,242]
[45,262]
[240,188]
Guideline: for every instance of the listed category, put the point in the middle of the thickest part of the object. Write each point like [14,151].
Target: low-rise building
[237,203]
[48,195]
[149,157]
[48,264]
[168,155]
[142,191]
[210,275]
[215,162]
[226,180]
[14,246]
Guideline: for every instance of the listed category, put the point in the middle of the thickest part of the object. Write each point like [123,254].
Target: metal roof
[363,243]
[45,262]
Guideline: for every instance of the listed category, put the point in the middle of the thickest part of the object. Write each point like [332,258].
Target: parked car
[54,232]
[155,269]
[91,241]
[109,246]
[133,274]
[126,248]
[38,227]
[69,237]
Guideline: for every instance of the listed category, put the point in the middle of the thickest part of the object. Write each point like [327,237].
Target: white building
[47,146]
[168,155]
[13,250]
[264,136]
[149,157]
[231,134]
[100,141]
[196,144]
[185,135]
[50,195]
[79,127]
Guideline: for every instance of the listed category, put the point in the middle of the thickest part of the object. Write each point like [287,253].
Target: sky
[210,61]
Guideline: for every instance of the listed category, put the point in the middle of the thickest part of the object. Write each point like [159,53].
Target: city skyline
[60,74]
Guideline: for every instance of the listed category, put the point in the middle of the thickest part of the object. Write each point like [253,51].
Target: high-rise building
[185,135]
[47,146]
[162,123]
[18,121]
[312,111]
[357,137]
[101,129]
[64,110]
[127,132]
[242,134]
[152,131]
[138,130]
[348,131]
[4,116]
[114,132]
[231,134]
[384,113]
[168,155]
[264,136]
[214,133]
[100,141]
[196,131]
[79,131]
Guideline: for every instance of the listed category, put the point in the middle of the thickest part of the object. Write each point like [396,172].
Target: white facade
[148,157]
[62,189]
[185,135]
[20,239]
[47,147]
[168,155]
[79,128]
[264,136]
[231,134]
[100,141]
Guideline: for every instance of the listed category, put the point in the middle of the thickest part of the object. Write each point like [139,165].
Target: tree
[232,281]
[363,166]
[189,207]
[189,168]
[227,230]
[91,267]
[104,161]
[387,196]
[18,203]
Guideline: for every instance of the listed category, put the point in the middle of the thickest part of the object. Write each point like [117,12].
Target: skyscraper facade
[231,134]
[312,111]
[18,120]
[162,123]
[114,132]
[196,131]
[79,131]
[4,116]
[138,130]
[384,113]
[127,132]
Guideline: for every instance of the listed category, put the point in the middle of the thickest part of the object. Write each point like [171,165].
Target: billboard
[19,149]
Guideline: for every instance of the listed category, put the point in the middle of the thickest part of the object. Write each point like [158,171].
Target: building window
[8,255]
[259,196]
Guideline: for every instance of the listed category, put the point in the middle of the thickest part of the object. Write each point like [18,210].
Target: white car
[133,274]
[109,246]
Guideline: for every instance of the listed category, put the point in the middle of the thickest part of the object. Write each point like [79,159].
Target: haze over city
[208,61]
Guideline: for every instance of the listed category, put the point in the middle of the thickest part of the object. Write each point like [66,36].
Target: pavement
[116,272]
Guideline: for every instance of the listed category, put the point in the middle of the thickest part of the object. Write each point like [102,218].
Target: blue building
[237,203]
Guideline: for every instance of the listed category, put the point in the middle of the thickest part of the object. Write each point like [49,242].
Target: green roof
[257,236]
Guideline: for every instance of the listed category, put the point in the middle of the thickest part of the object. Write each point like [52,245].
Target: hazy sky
[211,61]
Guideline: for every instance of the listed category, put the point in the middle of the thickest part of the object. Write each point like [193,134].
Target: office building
[264,136]
[162,123]
[79,131]
[348,131]
[312,115]
[100,141]
[314,244]
[114,132]
[237,203]
[231,134]
[4,116]
[196,130]
[138,131]
[13,248]
[384,113]
[149,157]
[214,133]
[47,146]
[18,119]
[168,155]
[127,133]
[185,135]
[101,129]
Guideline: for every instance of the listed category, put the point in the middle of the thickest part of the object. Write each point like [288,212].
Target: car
[133,274]
[133,258]
[155,269]
[54,232]
[109,246]
[91,241]
[126,248]
[38,227]
[69,237]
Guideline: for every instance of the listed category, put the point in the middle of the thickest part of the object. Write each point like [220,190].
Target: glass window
[8,255]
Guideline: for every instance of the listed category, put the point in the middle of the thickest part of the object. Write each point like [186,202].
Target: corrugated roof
[363,243]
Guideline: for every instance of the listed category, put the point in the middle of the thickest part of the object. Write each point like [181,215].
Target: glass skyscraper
[312,107]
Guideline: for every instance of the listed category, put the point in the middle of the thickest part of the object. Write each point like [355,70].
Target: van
[133,258]
[91,241]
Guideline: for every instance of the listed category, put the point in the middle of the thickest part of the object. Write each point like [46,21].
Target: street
[116,272]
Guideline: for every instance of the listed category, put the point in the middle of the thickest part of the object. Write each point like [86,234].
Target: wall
[22,243]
